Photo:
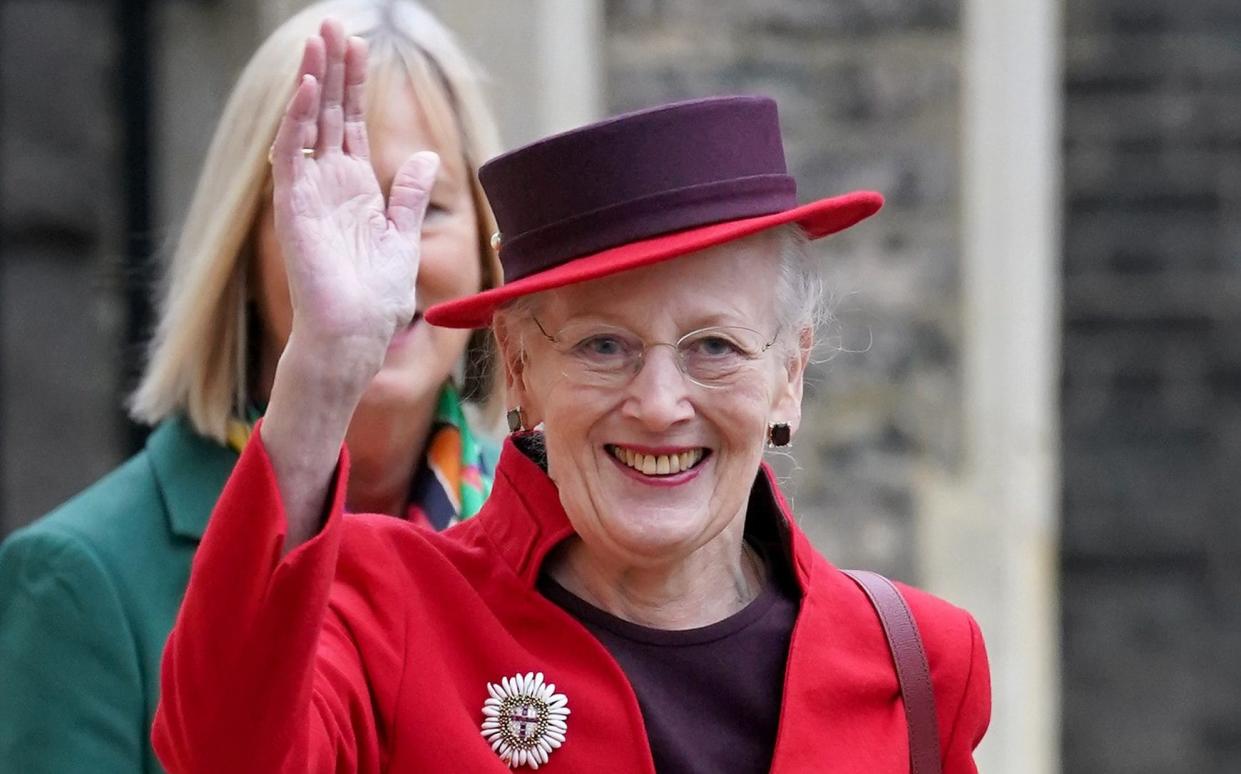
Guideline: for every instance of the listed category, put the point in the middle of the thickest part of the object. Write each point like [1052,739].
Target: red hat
[637,189]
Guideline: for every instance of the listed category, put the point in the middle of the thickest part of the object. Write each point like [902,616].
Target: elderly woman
[636,595]
[89,593]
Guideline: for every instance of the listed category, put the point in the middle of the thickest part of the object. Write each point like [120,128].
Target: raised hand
[351,261]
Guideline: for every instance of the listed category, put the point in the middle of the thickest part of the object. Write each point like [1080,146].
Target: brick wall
[868,99]
[1152,387]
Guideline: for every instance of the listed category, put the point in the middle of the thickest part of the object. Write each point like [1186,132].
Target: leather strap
[912,670]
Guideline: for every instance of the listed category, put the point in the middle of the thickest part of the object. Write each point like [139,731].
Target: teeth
[658,464]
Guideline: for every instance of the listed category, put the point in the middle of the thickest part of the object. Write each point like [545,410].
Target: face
[633,514]
[421,357]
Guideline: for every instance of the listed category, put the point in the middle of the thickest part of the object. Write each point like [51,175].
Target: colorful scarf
[453,478]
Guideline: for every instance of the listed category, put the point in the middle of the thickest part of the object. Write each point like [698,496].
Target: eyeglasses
[607,355]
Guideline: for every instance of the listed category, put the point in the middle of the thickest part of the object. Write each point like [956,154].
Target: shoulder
[54,582]
[377,549]
[102,515]
[949,633]
[960,672]
[71,564]
[951,637]
[70,660]
[384,560]
[44,550]
[121,526]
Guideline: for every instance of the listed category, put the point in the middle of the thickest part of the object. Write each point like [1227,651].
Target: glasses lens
[718,355]
[598,353]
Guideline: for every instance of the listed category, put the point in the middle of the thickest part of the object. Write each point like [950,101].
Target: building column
[991,533]
[543,60]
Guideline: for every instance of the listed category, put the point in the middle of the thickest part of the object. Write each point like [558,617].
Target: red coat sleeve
[960,676]
[972,712]
[259,673]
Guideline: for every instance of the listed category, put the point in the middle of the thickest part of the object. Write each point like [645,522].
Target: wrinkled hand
[351,261]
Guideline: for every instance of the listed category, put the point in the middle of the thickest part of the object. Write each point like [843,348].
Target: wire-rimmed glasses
[609,355]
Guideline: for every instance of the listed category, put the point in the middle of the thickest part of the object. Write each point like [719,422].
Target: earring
[779,434]
[516,420]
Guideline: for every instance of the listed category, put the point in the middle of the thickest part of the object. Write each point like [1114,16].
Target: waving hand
[351,259]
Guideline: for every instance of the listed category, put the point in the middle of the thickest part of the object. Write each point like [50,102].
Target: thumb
[411,190]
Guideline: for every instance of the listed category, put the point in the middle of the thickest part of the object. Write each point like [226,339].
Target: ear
[786,403]
[512,353]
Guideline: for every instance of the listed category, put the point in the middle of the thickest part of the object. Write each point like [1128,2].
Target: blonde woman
[89,592]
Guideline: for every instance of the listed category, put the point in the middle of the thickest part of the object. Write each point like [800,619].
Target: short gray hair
[801,299]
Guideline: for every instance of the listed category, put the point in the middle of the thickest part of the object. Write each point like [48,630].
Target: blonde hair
[199,359]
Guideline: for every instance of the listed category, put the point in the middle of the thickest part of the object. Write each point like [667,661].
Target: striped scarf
[453,478]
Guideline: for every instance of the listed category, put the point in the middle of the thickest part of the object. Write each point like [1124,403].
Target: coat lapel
[841,710]
[190,471]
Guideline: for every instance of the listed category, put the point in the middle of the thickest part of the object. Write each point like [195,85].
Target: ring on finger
[308,153]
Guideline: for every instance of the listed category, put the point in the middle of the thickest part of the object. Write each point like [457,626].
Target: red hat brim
[818,219]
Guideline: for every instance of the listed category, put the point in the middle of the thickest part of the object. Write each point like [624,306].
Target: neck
[386,439]
[385,444]
[709,585]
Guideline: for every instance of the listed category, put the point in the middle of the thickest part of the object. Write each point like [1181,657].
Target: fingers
[297,130]
[356,142]
[314,59]
[411,190]
[331,111]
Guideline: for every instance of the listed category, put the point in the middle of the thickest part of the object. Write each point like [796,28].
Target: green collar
[190,471]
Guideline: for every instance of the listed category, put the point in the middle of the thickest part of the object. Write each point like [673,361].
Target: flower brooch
[524,719]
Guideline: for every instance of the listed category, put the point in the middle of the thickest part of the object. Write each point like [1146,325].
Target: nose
[658,394]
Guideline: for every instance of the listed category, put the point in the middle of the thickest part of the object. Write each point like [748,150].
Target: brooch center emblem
[524,719]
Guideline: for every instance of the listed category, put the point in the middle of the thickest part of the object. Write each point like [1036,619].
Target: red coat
[369,648]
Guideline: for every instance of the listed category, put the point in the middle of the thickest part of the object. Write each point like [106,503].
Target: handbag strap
[912,671]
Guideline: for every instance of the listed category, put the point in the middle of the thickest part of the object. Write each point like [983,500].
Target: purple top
[710,697]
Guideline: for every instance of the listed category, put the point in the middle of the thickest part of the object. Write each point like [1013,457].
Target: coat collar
[525,519]
[190,471]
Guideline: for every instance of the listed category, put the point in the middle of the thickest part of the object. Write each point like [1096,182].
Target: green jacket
[88,595]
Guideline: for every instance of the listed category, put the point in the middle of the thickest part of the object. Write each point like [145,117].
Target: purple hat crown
[637,176]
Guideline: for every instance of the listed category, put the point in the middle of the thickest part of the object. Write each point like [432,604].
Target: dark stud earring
[515,419]
[779,434]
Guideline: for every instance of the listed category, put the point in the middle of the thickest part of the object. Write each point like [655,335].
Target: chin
[402,385]
[654,532]
[413,371]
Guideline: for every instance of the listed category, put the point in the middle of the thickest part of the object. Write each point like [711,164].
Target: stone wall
[1152,387]
[868,95]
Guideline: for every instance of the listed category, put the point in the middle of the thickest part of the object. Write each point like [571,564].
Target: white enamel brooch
[525,719]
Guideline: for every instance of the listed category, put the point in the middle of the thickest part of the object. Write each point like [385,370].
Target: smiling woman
[636,595]
[651,542]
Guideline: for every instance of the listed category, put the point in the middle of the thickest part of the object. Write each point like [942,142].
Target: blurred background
[1034,402]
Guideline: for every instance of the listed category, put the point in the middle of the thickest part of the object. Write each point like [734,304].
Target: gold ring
[308,153]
